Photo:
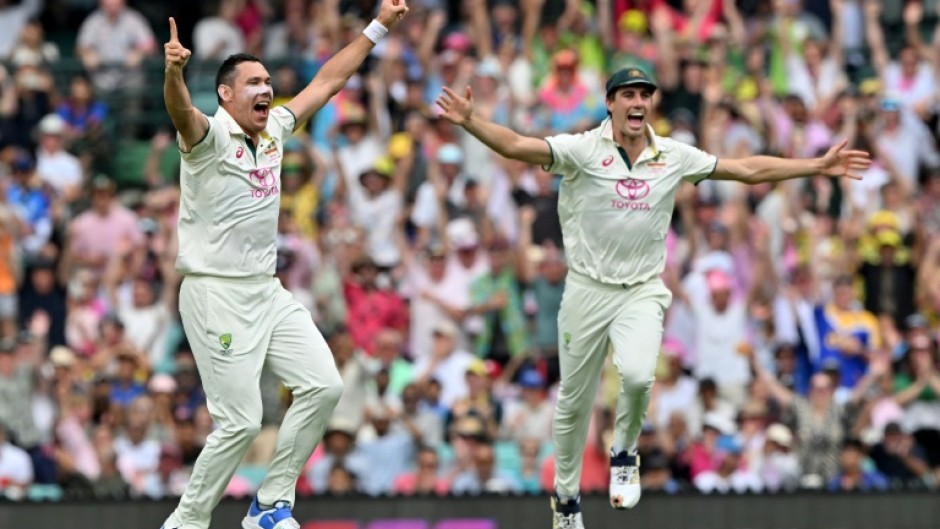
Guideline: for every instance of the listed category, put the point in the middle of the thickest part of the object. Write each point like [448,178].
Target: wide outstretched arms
[838,162]
[190,122]
[336,72]
[507,143]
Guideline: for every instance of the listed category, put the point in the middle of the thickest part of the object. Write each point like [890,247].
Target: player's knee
[245,431]
[332,391]
[325,393]
[633,381]
[567,407]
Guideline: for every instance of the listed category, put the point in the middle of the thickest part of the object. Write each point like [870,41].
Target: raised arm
[838,162]
[836,39]
[333,75]
[189,121]
[913,15]
[778,391]
[875,36]
[505,142]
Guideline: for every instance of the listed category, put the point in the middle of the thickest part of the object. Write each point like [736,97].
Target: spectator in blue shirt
[31,203]
[485,477]
[124,388]
[853,474]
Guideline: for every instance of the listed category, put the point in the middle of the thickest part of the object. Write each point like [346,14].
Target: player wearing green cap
[615,205]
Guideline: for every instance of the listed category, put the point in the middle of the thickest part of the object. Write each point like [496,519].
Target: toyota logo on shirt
[632,189]
[264,177]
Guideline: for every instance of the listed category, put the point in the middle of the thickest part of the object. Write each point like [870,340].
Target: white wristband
[375,31]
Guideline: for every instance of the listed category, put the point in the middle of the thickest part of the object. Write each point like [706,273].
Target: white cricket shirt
[230,199]
[614,217]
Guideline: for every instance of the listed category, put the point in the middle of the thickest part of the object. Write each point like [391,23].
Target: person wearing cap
[237,315]
[447,182]
[54,164]
[437,294]
[778,466]
[889,278]
[372,303]
[532,414]
[446,363]
[24,193]
[729,476]
[617,194]
[360,147]
[903,141]
[899,456]
[375,205]
[568,95]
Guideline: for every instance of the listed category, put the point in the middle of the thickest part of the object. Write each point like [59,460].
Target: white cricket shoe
[566,515]
[624,480]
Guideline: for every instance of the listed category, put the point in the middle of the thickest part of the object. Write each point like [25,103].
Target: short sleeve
[143,35]
[696,164]
[86,32]
[285,119]
[205,148]
[566,153]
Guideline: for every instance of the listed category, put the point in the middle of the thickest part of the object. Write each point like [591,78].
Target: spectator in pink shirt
[372,305]
[98,234]
[426,479]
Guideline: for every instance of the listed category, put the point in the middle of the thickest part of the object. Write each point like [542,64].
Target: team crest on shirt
[272,154]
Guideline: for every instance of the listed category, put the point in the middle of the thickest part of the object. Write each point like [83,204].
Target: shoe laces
[567,521]
[624,475]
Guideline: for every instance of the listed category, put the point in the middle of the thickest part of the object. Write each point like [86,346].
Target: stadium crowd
[800,351]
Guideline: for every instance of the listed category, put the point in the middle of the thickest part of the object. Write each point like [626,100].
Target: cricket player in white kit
[237,316]
[615,205]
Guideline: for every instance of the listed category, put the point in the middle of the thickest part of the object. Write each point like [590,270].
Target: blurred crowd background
[800,351]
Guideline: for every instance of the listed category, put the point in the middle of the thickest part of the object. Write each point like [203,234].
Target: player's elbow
[739,171]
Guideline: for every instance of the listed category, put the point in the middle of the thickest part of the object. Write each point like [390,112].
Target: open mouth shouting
[635,119]
[261,109]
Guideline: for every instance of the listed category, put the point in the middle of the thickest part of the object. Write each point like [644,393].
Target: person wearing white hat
[54,164]
[616,201]
[779,468]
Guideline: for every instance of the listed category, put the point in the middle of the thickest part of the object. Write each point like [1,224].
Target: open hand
[391,11]
[839,162]
[456,109]
[174,53]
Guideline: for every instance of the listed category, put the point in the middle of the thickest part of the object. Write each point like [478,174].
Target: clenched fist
[174,53]
[391,11]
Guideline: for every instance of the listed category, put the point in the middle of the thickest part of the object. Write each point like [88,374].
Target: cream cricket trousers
[594,316]
[235,328]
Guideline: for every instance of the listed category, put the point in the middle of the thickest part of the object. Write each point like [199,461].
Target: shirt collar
[231,125]
[606,130]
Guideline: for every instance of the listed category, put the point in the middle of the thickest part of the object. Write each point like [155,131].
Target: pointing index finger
[174,37]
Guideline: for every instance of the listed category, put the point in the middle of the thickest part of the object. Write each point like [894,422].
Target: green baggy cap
[629,77]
